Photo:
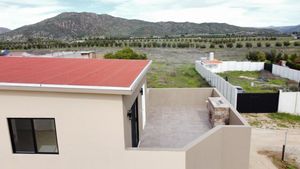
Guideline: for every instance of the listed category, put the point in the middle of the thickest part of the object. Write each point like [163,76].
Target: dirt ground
[169,55]
[262,120]
[268,136]
[272,140]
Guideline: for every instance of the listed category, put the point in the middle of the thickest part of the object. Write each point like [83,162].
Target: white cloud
[19,12]
[259,13]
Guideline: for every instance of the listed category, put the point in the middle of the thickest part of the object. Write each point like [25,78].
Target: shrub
[293,65]
[212,45]
[221,46]
[297,43]
[256,56]
[258,44]
[286,43]
[261,56]
[271,56]
[249,45]
[239,45]
[229,45]
[202,46]
[125,53]
[278,44]
[267,44]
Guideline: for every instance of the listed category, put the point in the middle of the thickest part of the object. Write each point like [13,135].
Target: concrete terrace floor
[174,127]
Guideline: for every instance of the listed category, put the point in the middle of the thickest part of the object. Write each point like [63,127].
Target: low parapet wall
[223,147]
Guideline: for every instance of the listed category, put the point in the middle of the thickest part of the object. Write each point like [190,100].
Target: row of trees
[273,56]
[112,43]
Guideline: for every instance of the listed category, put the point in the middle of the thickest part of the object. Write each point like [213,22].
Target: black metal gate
[257,102]
[268,67]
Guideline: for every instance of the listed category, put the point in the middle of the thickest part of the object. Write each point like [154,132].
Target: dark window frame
[34,136]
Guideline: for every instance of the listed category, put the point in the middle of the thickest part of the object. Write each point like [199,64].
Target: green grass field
[171,75]
[285,117]
[263,81]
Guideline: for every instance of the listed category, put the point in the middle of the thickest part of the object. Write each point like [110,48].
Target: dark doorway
[135,124]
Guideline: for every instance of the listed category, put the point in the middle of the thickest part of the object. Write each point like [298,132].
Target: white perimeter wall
[289,102]
[286,72]
[237,66]
[227,89]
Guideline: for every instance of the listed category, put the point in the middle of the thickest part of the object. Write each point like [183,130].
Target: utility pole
[283,147]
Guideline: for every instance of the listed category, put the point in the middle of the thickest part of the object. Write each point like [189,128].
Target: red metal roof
[66,71]
[212,62]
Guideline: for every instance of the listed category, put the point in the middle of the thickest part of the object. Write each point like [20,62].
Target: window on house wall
[33,135]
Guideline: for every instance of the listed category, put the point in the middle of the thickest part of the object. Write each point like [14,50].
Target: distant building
[210,62]
[88,54]
[4,52]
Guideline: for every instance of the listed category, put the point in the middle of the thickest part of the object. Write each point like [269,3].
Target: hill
[77,25]
[287,29]
[4,30]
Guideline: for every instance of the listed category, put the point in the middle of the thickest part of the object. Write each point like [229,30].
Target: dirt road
[267,139]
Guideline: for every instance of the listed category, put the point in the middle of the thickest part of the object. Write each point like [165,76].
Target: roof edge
[139,78]
[65,88]
[77,88]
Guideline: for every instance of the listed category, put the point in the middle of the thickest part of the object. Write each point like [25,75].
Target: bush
[125,53]
[249,45]
[258,44]
[256,56]
[267,44]
[293,65]
[239,45]
[229,45]
[221,46]
[212,45]
[261,56]
[202,46]
[297,43]
[271,56]
[286,43]
[278,44]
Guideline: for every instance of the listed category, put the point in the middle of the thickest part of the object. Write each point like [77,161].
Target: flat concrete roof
[174,127]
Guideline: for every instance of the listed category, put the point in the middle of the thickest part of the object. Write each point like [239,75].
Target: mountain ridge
[4,30]
[286,29]
[72,25]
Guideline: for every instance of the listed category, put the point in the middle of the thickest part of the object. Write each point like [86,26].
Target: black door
[135,124]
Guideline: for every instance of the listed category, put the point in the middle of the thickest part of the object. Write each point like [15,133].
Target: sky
[247,13]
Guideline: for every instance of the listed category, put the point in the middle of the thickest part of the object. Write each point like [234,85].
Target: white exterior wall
[286,72]
[90,133]
[237,66]
[289,102]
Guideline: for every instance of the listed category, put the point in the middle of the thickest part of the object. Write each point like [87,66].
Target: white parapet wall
[236,66]
[286,72]
[289,102]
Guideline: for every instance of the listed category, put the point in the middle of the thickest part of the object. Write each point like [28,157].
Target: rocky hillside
[4,30]
[78,25]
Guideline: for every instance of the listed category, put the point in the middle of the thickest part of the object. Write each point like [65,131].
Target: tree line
[142,44]
[274,57]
